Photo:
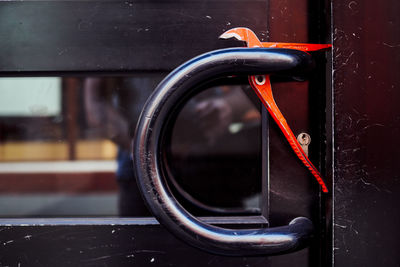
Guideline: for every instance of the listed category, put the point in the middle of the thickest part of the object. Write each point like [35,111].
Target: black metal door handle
[147,150]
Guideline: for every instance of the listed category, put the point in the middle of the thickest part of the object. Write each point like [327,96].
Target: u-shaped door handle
[147,150]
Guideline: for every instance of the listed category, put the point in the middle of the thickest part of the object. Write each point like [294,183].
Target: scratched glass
[65,147]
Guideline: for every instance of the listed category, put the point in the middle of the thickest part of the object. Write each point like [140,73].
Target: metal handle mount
[147,149]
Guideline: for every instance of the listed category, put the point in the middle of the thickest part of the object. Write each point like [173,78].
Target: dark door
[76,75]
[366,125]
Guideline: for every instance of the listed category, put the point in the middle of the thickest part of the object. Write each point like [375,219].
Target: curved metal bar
[200,205]
[148,155]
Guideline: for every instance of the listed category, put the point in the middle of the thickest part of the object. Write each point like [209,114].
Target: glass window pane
[65,145]
[215,155]
[30,96]
[65,148]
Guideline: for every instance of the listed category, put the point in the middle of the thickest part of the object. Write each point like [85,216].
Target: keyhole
[304,139]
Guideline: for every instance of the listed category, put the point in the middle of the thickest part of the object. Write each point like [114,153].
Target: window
[65,147]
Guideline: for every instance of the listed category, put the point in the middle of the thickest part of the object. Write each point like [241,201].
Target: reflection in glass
[65,147]
[30,97]
[215,154]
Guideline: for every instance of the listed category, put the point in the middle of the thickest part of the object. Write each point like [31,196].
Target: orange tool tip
[242,34]
[247,35]
[239,33]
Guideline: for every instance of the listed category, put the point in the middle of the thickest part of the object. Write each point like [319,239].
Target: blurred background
[65,147]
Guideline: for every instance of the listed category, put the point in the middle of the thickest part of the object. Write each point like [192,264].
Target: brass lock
[304,140]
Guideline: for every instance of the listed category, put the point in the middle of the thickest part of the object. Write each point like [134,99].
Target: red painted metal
[263,90]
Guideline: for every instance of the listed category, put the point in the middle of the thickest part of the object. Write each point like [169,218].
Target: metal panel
[105,245]
[117,35]
[366,83]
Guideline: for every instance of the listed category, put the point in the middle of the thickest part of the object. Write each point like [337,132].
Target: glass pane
[30,96]
[65,148]
[65,145]
[215,153]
